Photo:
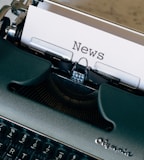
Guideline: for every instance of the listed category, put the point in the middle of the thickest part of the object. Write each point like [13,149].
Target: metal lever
[20,6]
[4,10]
[15,6]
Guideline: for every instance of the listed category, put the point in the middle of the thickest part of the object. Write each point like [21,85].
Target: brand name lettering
[79,47]
[107,145]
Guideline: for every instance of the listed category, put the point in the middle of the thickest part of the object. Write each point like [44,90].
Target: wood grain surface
[129,13]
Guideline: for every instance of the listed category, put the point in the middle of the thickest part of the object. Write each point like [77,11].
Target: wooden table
[128,13]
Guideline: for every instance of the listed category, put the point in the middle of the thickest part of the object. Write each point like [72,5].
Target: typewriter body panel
[121,108]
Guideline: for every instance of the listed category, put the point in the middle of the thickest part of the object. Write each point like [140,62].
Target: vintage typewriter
[71,85]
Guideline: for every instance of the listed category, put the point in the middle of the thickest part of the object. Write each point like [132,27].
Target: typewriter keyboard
[20,143]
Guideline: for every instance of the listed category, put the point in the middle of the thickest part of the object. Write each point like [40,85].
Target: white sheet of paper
[78,42]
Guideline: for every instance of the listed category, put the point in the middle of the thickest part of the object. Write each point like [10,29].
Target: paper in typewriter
[78,37]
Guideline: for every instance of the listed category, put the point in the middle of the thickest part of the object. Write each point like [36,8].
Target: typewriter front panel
[106,123]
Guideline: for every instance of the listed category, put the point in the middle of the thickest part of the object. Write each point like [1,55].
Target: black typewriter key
[12,152]
[2,149]
[36,144]
[3,130]
[73,156]
[23,156]
[24,138]
[4,144]
[48,149]
[60,154]
[12,133]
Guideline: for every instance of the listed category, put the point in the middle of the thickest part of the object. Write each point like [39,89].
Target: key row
[19,143]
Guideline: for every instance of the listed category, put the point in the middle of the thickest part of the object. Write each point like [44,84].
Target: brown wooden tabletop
[128,13]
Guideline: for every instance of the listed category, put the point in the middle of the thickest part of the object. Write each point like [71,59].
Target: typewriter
[71,85]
